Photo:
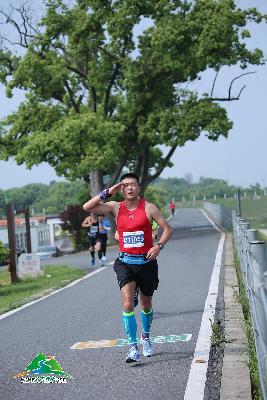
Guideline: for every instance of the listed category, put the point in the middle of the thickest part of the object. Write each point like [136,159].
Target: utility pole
[12,242]
[28,230]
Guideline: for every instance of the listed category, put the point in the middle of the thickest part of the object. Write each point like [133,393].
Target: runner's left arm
[167,231]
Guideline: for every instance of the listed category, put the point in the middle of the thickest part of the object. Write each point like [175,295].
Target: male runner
[136,264]
[104,227]
[92,225]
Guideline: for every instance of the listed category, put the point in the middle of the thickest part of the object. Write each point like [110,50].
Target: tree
[73,218]
[99,100]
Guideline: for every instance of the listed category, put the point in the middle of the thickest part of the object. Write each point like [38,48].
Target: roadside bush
[3,253]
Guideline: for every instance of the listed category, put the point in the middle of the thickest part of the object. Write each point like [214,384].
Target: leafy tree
[72,219]
[27,195]
[99,100]
[54,197]
[59,195]
[3,253]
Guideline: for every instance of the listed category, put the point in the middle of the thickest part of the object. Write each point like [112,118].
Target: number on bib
[133,239]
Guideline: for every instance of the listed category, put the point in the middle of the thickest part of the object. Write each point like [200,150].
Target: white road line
[7,314]
[197,376]
[210,220]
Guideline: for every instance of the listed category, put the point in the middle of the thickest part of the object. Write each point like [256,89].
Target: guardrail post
[252,234]
[244,226]
[265,280]
[258,251]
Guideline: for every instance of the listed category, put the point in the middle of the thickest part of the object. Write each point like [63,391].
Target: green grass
[254,210]
[55,277]
[251,350]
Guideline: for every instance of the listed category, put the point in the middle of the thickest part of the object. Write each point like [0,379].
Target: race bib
[93,230]
[133,239]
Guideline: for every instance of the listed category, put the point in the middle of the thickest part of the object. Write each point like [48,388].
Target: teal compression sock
[130,326]
[147,318]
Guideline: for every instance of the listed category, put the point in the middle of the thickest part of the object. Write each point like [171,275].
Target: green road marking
[124,342]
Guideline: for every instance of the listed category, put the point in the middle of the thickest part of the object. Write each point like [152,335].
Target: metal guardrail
[253,262]
[222,215]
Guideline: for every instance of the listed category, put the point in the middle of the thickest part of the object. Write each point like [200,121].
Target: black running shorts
[92,241]
[145,275]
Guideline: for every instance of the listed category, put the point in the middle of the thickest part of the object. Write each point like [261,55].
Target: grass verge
[26,290]
[241,297]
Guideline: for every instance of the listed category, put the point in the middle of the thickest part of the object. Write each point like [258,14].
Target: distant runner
[104,227]
[92,225]
[172,207]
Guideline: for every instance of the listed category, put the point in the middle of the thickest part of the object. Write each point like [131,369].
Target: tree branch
[214,81]
[114,76]
[109,87]
[144,165]
[94,98]
[14,23]
[229,98]
[237,77]
[107,53]
[117,172]
[23,29]
[72,99]
[151,178]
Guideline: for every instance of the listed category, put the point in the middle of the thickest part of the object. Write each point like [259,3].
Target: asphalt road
[91,311]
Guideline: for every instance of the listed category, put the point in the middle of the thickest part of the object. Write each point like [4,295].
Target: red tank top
[134,228]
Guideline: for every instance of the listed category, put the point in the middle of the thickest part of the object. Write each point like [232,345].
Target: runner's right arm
[87,222]
[95,204]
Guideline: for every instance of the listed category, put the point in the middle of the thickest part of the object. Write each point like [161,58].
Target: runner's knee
[145,305]
[128,305]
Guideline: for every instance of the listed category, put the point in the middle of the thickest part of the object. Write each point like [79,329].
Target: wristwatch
[161,245]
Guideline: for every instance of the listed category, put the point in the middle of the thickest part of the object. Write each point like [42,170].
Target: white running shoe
[147,347]
[133,355]
[101,263]
[104,258]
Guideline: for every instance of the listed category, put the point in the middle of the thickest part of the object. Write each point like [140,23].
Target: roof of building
[21,220]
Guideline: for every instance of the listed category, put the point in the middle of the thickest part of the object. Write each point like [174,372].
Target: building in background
[45,230]
[54,222]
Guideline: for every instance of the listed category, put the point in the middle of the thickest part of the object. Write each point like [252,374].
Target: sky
[240,159]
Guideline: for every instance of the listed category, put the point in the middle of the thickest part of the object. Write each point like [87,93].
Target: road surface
[91,311]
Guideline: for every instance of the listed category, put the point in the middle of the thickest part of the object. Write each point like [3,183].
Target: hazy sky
[240,159]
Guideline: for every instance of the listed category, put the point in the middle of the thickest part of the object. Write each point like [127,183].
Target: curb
[235,382]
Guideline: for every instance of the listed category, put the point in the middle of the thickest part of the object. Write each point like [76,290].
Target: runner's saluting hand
[115,189]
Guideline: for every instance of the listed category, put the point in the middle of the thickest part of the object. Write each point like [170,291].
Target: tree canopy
[99,99]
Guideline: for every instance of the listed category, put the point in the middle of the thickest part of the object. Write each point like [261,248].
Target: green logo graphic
[43,369]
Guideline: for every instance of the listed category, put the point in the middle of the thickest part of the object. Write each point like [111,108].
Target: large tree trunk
[97,185]
[96,182]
